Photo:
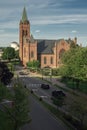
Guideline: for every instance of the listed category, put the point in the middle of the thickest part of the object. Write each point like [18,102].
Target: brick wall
[63,45]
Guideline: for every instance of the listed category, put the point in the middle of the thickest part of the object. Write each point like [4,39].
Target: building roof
[45,46]
[24,16]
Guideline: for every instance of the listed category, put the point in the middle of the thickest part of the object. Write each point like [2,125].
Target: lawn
[82,85]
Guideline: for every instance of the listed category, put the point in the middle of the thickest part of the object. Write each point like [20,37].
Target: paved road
[35,84]
[42,119]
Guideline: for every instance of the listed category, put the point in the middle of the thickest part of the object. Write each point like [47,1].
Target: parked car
[45,86]
[21,73]
[57,93]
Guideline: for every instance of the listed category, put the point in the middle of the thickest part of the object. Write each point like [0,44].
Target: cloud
[37,31]
[40,13]
[74,31]
[7,38]
[62,19]
[9,25]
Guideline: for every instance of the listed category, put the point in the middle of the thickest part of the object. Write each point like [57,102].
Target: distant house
[15,45]
[48,52]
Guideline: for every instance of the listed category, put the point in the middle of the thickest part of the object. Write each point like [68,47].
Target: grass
[82,86]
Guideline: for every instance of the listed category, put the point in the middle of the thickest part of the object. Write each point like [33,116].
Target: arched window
[24,52]
[26,32]
[51,60]
[45,60]
[61,53]
[23,32]
[32,54]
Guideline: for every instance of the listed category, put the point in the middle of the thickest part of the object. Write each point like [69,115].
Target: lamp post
[42,73]
[50,74]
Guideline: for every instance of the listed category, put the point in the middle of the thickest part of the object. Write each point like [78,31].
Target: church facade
[48,52]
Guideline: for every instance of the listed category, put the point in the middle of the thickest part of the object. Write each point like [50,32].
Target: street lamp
[42,73]
[50,74]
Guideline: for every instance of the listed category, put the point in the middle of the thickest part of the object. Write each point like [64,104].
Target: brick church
[48,52]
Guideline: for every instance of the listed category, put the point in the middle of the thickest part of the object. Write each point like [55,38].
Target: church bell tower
[24,31]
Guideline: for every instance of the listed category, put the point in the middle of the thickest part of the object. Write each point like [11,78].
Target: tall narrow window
[23,32]
[51,60]
[45,60]
[26,32]
[24,52]
[32,54]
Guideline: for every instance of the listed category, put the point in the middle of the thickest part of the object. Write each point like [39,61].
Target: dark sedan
[45,86]
[57,94]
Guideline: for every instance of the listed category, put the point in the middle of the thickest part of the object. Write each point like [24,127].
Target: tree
[5,121]
[4,92]
[18,114]
[17,54]
[33,64]
[79,110]
[8,53]
[5,74]
[20,109]
[75,64]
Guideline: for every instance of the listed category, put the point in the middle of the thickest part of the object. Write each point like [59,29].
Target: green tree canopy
[15,114]
[17,54]
[8,53]
[33,64]
[79,110]
[75,63]
[4,92]
[5,74]
[21,106]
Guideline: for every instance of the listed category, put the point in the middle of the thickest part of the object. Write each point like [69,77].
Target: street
[42,119]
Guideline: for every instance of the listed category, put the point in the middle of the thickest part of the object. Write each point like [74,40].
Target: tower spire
[24,16]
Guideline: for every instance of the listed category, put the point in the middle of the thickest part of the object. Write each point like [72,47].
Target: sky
[49,19]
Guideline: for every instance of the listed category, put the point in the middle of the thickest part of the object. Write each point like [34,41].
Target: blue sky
[49,19]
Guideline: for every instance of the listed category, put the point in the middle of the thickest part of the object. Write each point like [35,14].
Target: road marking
[34,85]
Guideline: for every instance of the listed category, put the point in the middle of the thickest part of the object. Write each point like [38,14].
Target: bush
[73,121]
[55,72]
[58,101]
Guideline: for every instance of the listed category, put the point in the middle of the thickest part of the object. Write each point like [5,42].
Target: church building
[48,52]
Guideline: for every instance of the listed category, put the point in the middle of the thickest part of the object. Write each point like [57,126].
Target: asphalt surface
[42,119]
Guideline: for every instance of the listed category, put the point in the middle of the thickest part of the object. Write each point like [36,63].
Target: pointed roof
[24,15]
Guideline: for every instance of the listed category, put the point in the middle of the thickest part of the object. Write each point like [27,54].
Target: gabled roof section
[24,16]
[45,46]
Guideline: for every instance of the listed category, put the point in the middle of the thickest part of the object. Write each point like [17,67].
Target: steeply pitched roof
[45,46]
[24,15]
